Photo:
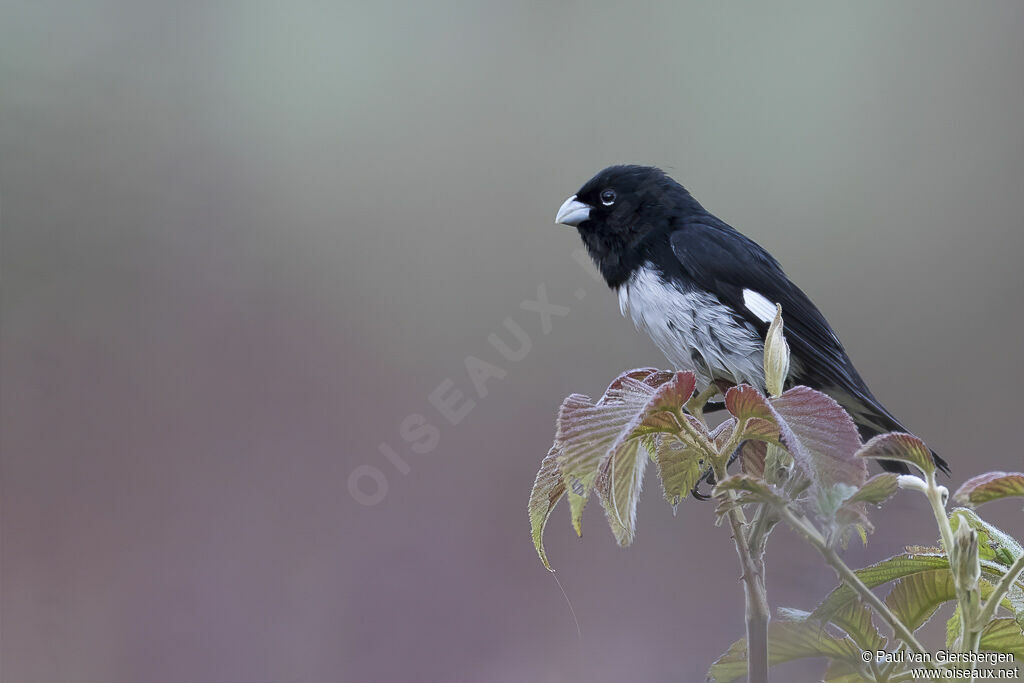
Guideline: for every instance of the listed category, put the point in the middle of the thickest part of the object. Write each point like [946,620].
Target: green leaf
[916,597]
[856,621]
[1003,635]
[787,641]
[762,430]
[877,490]
[990,486]
[680,467]
[953,628]
[993,543]
[899,446]
[986,588]
[548,489]
[885,571]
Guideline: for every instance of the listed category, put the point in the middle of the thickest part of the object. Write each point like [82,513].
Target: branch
[852,580]
[755,595]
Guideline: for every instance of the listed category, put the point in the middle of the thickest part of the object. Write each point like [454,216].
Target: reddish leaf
[899,446]
[744,402]
[820,436]
[990,486]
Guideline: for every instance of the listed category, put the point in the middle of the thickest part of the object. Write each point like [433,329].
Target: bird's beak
[572,212]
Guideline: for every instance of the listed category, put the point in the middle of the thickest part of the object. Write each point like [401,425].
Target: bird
[706,294]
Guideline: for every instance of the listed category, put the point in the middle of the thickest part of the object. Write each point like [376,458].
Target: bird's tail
[873,419]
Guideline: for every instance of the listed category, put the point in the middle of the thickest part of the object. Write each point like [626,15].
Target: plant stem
[851,579]
[755,595]
[695,406]
[970,630]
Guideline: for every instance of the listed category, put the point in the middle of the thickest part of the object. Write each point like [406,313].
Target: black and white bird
[706,294]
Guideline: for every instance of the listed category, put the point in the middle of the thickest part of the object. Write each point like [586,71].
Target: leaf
[1003,635]
[752,458]
[787,641]
[745,402]
[820,436]
[673,394]
[855,620]
[993,543]
[619,486]
[680,467]
[752,490]
[916,597]
[591,435]
[953,628]
[899,446]
[887,570]
[988,487]
[587,432]
[548,489]
[762,430]
[877,489]
[721,434]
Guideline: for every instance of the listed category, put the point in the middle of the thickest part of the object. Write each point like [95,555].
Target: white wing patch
[759,305]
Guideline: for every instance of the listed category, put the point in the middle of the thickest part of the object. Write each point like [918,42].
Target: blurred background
[242,243]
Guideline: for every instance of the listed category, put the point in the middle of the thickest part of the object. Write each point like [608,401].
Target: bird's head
[619,210]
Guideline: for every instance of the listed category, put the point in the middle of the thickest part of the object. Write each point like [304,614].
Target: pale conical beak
[572,212]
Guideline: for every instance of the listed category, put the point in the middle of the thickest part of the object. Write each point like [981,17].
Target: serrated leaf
[752,458]
[993,543]
[721,434]
[1003,635]
[916,597]
[587,433]
[988,487]
[679,467]
[787,641]
[856,621]
[548,489]
[590,436]
[899,446]
[953,628]
[744,402]
[887,570]
[750,490]
[877,489]
[673,394]
[619,486]
[820,436]
[762,430]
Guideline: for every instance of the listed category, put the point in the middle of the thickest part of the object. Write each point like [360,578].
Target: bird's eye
[608,197]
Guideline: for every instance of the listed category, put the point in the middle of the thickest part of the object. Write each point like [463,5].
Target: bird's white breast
[693,329]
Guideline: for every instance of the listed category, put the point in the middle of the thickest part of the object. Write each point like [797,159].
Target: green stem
[970,633]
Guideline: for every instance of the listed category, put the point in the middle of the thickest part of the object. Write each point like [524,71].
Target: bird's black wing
[724,262]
